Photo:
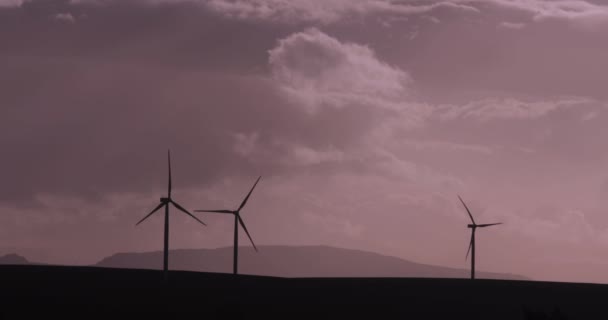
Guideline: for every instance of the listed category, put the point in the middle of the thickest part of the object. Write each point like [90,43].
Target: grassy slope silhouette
[60,291]
[30,290]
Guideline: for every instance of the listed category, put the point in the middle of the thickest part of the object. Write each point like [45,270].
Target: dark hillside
[107,292]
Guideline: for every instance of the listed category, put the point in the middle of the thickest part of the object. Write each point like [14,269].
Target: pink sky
[365,118]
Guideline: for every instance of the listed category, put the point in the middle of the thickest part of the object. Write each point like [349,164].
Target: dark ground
[89,292]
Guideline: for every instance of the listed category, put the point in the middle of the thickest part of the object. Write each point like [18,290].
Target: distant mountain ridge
[13,258]
[293,261]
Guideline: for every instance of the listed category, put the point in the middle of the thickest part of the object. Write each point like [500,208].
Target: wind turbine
[473,227]
[237,220]
[164,202]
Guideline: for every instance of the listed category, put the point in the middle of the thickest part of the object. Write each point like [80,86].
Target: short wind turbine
[164,202]
[237,220]
[473,227]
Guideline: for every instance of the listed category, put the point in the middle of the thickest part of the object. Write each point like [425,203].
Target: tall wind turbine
[473,227]
[237,220]
[164,202]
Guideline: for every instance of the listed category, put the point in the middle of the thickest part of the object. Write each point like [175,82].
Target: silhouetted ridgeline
[13,259]
[293,261]
[58,292]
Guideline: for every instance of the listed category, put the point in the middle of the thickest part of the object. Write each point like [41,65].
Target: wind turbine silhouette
[473,227]
[164,202]
[237,220]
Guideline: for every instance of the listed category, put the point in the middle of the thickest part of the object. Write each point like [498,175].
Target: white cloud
[559,225]
[414,34]
[447,146]
[245,143]
[582,13]
[433,19]
[390,21]
[65,17]
[512,25]
[492,109]
[590,115]
[319,70]
[302,155]
[10,3]
[387,163]
[326,11]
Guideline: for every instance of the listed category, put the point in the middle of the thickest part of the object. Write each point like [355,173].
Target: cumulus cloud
[319,70]
[65,17]
[245,143]
[305,156]
[10,3]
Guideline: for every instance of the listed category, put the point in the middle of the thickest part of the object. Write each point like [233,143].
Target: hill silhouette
[293,261]
[41,291]
[13,258]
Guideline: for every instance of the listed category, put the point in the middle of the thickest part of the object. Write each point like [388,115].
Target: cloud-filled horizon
[364,118]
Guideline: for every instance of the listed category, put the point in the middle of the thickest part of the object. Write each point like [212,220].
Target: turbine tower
[473,227]
[237,220]
[164,202]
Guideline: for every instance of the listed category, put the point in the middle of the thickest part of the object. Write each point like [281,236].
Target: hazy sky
[365,118]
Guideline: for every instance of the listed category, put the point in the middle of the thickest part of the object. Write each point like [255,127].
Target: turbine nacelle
[165,200]
[472,226]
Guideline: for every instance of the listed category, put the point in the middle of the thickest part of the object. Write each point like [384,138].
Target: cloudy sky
[365,119]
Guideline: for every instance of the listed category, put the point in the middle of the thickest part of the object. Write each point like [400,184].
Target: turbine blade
[169,162]
[488,224]
[186,212]
[247,232]
[468,211]
[215,211]
[151,212]
[249,194]
[470,246]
